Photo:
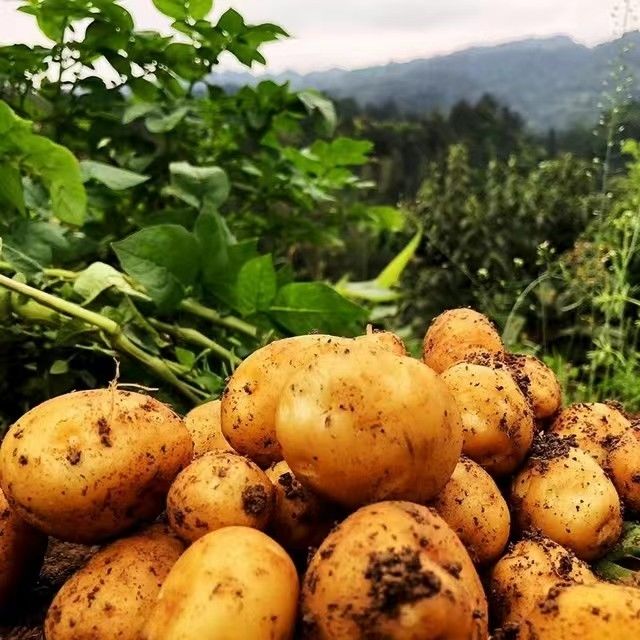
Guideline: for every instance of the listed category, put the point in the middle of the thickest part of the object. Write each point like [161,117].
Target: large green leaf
[214,238]
[206,186]
[199,9]
[256,285]
[99,277]
[390,275]
[113,177]
[11,191]
[172,8]
[164,259]
[304,307]
[315,101]
[161,123]
[38,240]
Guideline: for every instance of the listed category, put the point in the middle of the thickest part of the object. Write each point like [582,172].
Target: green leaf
[164,259]
[391,274]
[185,357]
[342,152]
[214,238]
[11,191]
[166,122]
[20,260]
[231,22]
[99,277]
[137,110]
[256,285]
[112,177]
[368,290]
[391,219]
[303,307]
[315,101]
[59,367]
[199,185]
[199,9]
[143,89]
[38,240]
[172,8]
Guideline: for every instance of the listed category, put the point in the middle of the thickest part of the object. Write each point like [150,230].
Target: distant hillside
[552,82]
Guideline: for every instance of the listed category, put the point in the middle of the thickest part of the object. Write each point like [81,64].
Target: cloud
[352,33]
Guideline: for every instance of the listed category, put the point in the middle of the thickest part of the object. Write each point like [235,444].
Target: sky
[358,33]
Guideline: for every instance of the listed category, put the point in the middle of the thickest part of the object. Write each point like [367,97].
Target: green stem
[195,337]
[230,322]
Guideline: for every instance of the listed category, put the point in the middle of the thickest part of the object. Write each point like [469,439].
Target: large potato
[538,383]
[233,584]
[472,505]
[251,396]
[563,493]
[300,518]
[456,333]
[111,596]
[88,465]
[496,418]
[219,489]
[366,425]
[203,424]
[21,552]
[525,575]
[594,425]
[623,465]
[393,570]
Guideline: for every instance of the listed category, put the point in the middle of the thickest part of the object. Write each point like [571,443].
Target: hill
[552,82]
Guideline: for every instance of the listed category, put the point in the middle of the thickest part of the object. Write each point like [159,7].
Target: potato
[472,505]
[219,489]
[366,425]
[594,425]
[111,596]
[235,583]
[563,493]
[496,418]
[455,333]
[22,550]
[203,424]
[538,383]
[251,396]
[623,464]
[524,576]
[300,519]
[384,340]
[90,464]
[393,570]
[585,612]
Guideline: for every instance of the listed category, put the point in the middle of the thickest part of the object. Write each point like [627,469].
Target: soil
[25,617]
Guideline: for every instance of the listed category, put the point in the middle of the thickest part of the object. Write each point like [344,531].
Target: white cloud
[352,33]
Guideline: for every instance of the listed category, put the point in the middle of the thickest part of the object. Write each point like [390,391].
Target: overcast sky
[356,33]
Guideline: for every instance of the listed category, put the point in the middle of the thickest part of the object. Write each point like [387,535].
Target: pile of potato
[338,490]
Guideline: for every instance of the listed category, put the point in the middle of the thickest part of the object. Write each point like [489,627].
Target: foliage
[150,215]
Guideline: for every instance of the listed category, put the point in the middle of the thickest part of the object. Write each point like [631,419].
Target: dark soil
[24,619]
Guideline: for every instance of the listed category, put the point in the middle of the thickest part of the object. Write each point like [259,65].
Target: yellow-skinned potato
[456,333]
[472,505]
[90,464]
[111,596]
[594,425]
[300,519]
[393,570]
[205,429]
[563,493]
[585,612]
[384,340]
[623,465]
[538,383]
[21,552]
[233,584]
[219,489]
[524,576]
[366,425]
[496,418]
[251,396]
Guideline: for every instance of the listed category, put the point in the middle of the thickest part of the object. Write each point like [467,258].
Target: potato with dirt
[383,340]
[89,465]
[393,570]
[623,465]
[251,396]
[235,583]
[22,550]
[111,596]
[472,505]
[456,333]
[204,426]
[364,425]
[219,489]
[563,493]
[497,420]
[300,518]
[594,425]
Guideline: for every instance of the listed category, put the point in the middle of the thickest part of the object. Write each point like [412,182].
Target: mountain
[551,82]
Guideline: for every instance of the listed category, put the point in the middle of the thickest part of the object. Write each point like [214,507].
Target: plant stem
[230,322]
[195,337]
